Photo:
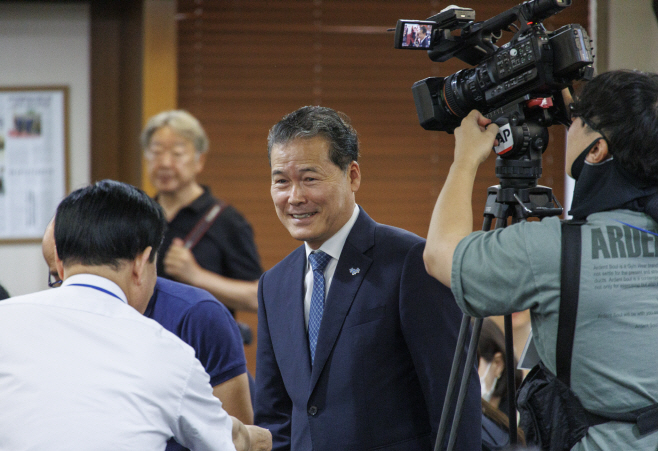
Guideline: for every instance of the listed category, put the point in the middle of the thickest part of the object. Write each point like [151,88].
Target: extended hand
[180,264]
[259,438]
[250,438]
[474,139]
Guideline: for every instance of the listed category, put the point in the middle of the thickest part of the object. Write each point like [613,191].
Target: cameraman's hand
[452,219]
[474,140]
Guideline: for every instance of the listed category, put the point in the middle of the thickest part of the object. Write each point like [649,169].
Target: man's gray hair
[311,121]
[182,123]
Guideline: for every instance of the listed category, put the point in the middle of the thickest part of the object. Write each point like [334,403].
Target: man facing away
[611,152]
[81,368]
[355,340]
[197,318]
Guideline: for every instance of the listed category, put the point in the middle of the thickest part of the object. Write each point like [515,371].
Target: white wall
[632,35]
[46,44]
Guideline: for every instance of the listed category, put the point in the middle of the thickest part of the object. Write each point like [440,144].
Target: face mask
[487,392]
[607,186]
[579,162]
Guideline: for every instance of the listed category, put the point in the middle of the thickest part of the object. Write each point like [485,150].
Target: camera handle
[521,203]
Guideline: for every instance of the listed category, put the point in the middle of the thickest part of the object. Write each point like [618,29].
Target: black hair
[492,341]
[311,121]
[424,30]
[623,106]
[106,223]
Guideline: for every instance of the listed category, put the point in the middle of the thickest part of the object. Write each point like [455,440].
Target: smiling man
[355,340]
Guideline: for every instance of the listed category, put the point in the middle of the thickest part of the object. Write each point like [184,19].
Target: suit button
[312,410]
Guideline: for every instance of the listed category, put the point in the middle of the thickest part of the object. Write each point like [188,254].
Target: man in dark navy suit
[423,39]
[355,340]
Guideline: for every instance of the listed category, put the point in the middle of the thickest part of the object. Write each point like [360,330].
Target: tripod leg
[456,364]
[511,383]
[463,390]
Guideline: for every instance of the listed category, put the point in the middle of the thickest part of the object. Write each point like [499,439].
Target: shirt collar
[200,204]
[334,245]
[96,281]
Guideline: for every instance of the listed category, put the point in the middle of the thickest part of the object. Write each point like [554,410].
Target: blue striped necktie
[318,262]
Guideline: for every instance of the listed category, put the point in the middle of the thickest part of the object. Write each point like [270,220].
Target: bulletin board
[33,159]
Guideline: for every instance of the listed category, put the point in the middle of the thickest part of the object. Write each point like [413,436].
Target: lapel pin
[355,271]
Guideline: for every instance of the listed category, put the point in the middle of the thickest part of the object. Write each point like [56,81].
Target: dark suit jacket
[383,357]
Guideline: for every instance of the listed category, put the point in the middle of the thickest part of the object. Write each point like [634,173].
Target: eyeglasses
[573,114]
[54,281]
[179,152]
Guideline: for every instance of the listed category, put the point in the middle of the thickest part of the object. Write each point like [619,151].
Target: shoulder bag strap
[569,287]
[201,227]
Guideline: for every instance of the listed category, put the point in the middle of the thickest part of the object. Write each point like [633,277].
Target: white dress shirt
[82,370]
[333,247]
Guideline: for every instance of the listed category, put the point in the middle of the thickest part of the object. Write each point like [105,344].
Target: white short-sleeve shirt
[81,369]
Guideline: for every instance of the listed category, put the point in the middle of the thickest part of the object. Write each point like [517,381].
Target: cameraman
[612,154]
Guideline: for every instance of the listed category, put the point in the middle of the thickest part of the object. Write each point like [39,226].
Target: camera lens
[462,93]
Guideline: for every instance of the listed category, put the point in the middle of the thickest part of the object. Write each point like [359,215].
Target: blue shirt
[204,323]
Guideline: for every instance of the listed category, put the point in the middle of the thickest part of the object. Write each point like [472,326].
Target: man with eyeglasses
[220,256]
[81,367]
[611,152]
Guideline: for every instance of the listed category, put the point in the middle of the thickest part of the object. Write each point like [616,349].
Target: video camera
[517,85]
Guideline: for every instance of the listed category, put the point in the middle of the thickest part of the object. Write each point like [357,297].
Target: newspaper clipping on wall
[32,160]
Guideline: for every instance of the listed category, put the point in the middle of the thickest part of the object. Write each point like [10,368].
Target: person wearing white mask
[493,383]
[491,366]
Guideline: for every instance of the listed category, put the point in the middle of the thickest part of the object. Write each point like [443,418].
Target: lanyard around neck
[96,288]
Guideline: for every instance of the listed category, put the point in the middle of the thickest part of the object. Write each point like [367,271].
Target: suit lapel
[291,311]
[351,269]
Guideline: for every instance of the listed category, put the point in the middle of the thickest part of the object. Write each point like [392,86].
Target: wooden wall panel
[159,69]
[116,90]
[244,64]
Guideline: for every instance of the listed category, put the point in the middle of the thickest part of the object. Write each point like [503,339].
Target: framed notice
[33,159]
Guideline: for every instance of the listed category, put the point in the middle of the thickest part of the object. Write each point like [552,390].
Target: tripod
[519,197]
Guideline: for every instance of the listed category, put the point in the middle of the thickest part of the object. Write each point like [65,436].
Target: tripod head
[522,139]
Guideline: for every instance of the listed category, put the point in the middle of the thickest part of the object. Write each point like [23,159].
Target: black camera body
[505,81]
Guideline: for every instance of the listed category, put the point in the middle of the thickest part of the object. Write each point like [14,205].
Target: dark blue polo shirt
[204,323]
